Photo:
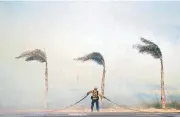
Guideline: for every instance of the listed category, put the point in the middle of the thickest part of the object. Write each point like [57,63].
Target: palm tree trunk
[46,84]
[103,82]
[162,86]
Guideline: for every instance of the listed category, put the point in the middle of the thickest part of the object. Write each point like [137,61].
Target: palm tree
[38,55]
[98,58]
[152,49]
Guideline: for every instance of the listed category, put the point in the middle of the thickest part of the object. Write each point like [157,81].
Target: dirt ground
[88,110]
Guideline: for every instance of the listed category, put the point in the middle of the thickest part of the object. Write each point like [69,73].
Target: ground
[88,110]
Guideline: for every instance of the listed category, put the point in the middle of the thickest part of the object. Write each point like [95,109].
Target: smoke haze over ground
[71,29]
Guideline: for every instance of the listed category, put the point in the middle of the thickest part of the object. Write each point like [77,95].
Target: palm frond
[147,41]
[95,56]
[149,49]
[36,54]
[24,54]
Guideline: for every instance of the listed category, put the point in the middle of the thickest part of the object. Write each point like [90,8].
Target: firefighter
[94,98]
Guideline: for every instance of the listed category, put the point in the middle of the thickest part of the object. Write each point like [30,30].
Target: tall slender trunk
[103,82]
[163,103]
[46,84]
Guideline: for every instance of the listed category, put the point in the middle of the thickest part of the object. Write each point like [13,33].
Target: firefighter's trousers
[97,105]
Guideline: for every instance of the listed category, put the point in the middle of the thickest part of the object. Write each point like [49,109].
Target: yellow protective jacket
[95,94]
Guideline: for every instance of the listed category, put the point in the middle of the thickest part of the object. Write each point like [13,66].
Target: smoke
[69,29]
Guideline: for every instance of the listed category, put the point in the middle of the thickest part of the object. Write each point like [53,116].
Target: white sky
[71,29]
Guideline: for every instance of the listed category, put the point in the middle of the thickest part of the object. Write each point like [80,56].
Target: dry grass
[157,104]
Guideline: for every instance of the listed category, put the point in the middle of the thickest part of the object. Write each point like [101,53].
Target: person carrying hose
[95,98]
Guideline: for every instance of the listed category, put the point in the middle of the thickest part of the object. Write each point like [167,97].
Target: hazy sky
[71,29]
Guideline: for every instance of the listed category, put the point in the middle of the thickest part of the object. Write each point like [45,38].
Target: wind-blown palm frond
[24,54]
[36,54]
[95,56]
[150,48]
[147,41]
